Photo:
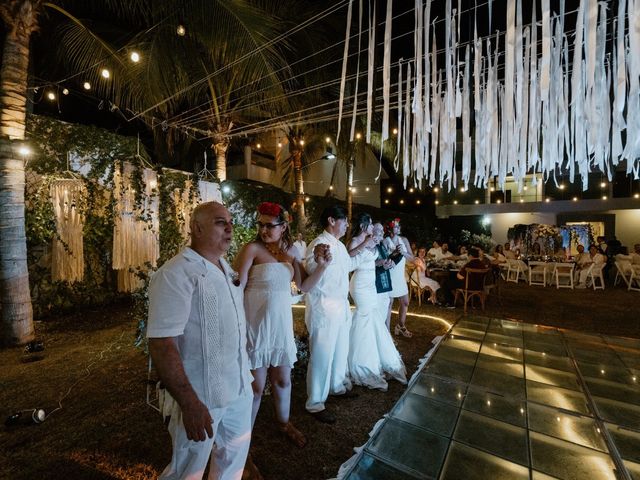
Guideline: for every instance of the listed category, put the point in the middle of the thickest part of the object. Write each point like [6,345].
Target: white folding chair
[624,270]
[516,270]
[538,273]
[564,271]
[595,274]
[634,279]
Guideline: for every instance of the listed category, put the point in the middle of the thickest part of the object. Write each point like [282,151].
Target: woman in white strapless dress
[395,243]
[265,269]
[371,349]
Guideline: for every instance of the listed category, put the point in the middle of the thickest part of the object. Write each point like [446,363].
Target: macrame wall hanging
[136,227]
[540,97]
[67,256]
[185,202]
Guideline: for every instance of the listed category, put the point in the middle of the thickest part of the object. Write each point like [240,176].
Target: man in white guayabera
[327,315]
[197,341]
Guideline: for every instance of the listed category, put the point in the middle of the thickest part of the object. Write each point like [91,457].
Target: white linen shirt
[328,301]
[194,301]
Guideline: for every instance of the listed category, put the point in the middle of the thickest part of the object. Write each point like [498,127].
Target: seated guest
[474,262]
[444,253]
[582,261]
[516,253]
[414,248]
[498,255]
[536,249]
[434,251]
[635,255]
[596,259]
[601,245]
[462,253]
[508,253]
[420,261]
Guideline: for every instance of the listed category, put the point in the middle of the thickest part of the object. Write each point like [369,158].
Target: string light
[462,190]
[436,202]
[389,189]
[65,91]
[436,189]
[180,30]
[401,202]
[330,187]
[575,199]
[258,146]
[395,131]
[307,199]
[367,189]
[105,73]
[547,200]
[477,202]
[358,136]
[86,86]
[301,141]
[51,96]
[455,202]
[604,197]
[418,202]
[411,190]
[637,195]
[328,139]
[386,201]
[561,186]
[525,188]
[279,144]
[24,151]
[135,57]
[603,184]
[498,201]
[492,189]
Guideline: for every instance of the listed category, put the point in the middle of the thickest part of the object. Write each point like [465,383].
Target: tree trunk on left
[15,297]
[299,188]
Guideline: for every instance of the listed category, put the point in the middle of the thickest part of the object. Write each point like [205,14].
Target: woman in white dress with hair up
[371,349]
[398,245]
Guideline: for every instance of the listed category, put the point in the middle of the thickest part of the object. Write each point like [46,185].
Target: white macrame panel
[136,228]
[67,259]
[209,192]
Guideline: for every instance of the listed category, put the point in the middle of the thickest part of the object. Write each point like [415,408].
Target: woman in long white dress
[266,267]
[394,243]
[371,349]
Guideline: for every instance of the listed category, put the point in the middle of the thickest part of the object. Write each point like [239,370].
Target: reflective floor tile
[630,360]
[497,438]
[500,365]
[473,325]
[627,442]
[572,428]
[576,336]
[552,377]
[459,331]
[468,463]
[502,351]
[633,469]
[496,406]
[609,373]
[535,475]
[422,412]
[370,468]
[439,388]
[478,319]
[497,338]
[456,355]
[549,348]
[498,383]
[595,356]
[623,342]
[550,361]
[613,390]
[462,343]
[415,448]
[557,397]
[569,461]
[587,364]
[544,339]
[446,368]
[619,413]
[497,329]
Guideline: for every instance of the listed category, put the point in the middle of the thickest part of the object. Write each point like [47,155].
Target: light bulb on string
[86,86]
[106,74]
[51,96]
[181,31]
[367,189]
[135,57]
[65,91]
[395,131]
[328,140]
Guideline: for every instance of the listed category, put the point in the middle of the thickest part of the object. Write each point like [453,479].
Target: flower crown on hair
[393,223]
[273,210]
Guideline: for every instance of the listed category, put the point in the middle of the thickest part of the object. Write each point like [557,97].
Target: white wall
[627,226]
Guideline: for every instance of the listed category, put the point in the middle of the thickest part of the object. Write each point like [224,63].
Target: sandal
[402,330]
[294,435]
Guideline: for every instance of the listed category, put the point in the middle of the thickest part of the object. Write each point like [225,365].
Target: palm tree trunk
[299,188]
[15,299]
[220,147]
[349,193]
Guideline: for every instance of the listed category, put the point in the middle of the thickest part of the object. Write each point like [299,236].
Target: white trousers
[327,370]
[228,448]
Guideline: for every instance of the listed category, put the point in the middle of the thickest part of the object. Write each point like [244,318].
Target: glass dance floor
[506,400]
